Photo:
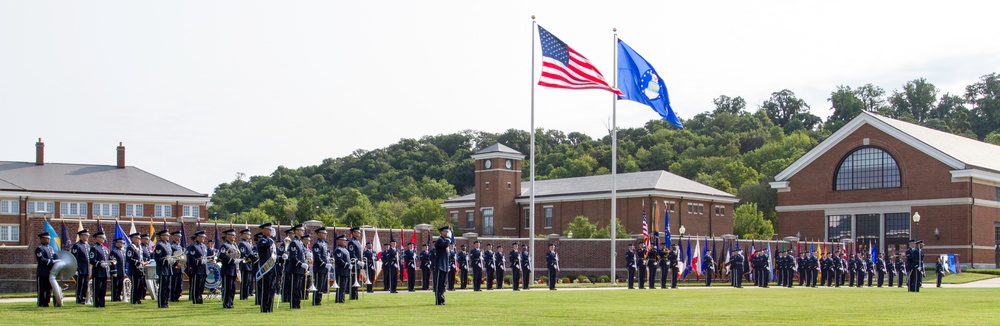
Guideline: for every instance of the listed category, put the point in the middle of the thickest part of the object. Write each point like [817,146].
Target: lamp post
[681,230]
[916,224]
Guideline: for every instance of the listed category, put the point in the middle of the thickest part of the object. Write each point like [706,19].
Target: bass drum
[213,279]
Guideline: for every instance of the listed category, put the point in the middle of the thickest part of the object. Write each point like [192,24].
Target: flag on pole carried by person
[54,237]
[65,236]
[563,67]
[696,260]
[645,226]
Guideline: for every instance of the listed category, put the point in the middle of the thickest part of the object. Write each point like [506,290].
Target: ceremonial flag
[639,82]
[120,233]
[131,228]
[952,264]
[753,252]
[101,229]
[152,231]
[666,226]
[218,244]
[413,238]
[874,250]
[645,228]
[688,260]
[696,260]
[184,237]
[770,259]
[79,228]
[65,236]
[53,236]
[727,258]
[563,67]
[377,245]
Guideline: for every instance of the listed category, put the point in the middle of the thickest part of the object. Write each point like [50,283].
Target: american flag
[645,229]
[563,67]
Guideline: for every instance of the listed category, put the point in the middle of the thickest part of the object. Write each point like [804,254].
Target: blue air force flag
[640,83]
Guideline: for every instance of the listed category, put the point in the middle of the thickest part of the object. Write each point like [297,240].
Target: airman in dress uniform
[44,259]
[442,265]
[118,270]
[100,263]
[81,250]
[629,264]
[499,263]
[476,262]
[267,258]
[163,269]
[248,258]
[136,268]
[197,259]
[425,267]
[342,262]
[552,264]
[230,266]
[515,267]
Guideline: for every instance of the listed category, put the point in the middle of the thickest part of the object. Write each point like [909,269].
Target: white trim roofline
[862,119]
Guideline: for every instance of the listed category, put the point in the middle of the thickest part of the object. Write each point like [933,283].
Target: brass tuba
[62,269]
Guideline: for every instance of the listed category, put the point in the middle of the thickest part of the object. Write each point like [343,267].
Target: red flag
[563,67]
[401,239]
[413,238]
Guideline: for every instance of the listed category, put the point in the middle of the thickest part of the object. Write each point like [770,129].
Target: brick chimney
[39,152]
[121,156]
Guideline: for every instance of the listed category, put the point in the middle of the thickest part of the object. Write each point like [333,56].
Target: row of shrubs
[579,279]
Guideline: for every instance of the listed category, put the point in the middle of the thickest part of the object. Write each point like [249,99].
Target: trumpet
[335,285]
[309,274]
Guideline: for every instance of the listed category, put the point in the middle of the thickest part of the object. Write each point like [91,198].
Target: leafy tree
[783,106]
[357,216]
[605,232]
[424,211]
[749,223]
[846,105]
[872,98]
[581,228]
[984,96]
[915,101]
[993,138]
[731,105]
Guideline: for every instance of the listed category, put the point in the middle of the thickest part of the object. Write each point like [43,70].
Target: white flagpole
[531,205]
[614,160]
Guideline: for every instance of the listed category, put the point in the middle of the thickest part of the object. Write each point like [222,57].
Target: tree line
[728,147]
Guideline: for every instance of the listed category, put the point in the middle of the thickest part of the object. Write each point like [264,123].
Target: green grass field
[749,306]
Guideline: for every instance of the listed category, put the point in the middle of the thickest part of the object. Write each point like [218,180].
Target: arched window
[867,168]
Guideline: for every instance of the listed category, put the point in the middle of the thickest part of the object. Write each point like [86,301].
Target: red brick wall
[629,211]
[923,177]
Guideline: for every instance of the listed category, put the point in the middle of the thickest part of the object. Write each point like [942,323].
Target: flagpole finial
[532,17]
[614,29]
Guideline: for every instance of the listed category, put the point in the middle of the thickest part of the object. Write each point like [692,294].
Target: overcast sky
[201,90]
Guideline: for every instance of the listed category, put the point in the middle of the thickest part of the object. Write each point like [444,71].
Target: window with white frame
[41,207]
[73,209]
[10,206]
[669,205]
[527,217]
[192,211]
[133,210]
[720,210]
[10,233]
[162,211]
[470,220]
[488,221]
[104,209]
[548,217]
[454,217]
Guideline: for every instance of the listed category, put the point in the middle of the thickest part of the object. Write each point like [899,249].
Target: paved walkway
[988,283]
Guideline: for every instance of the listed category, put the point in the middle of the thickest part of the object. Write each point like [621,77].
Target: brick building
[867,181]
[75,194]
[500,206]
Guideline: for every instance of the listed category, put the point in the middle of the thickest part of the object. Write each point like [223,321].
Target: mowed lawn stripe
[749,306]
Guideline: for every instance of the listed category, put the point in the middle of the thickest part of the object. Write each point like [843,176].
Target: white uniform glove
[284,257]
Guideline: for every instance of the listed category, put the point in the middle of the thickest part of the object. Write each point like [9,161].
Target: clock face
[488,164]
[509,164]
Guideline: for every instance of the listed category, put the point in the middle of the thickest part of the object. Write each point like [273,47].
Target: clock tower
[498,182]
